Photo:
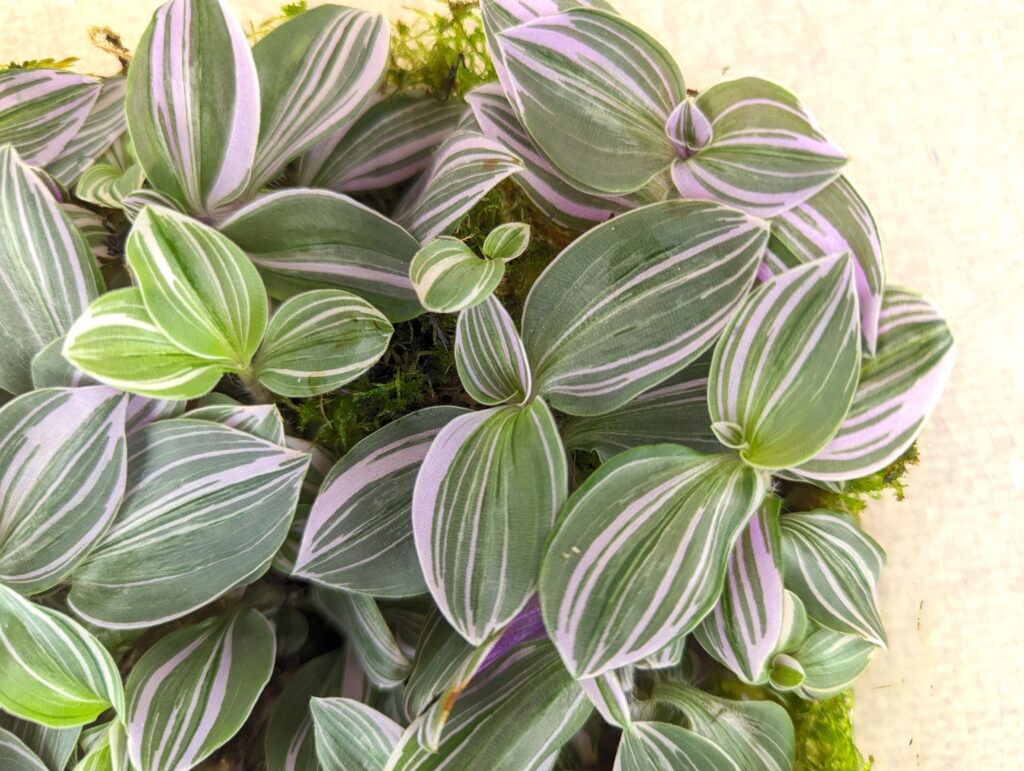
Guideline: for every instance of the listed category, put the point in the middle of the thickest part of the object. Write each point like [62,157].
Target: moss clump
[35,64]
[824,735]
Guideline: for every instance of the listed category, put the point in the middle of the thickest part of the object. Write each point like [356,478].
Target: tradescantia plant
[351,424]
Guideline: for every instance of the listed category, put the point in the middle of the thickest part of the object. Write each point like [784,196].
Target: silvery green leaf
[62,476]
[441,654]
[653,746]
[192,691]
[635,300]
[785,673]
[351,736]
[507,241]
[103,125]
[317,341]
[610,693]
[668,657]
[115,175]
[260,420]
[302,239]
[640,553]
[784,372]
[53,746]
[206,507]
[92,228]
[490,356]
[449,277]
[831,662]
[15,756]
[108,751]
[52,670]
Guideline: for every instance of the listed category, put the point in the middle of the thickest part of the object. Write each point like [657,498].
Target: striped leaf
[594,92]
[15,756]
[114,176]
[640,553]
[315,239]
[507,241]
[635,300]
[746,625]
[359,619]
[359,534]
[463,170]
[833,567]
[109,752]
[92,228]
[193,104]
[785,673]
[833,221]
[216,669]
[831,662]
[391,143]
[62,476]
[674,412]
[653,746]
[449,277]
[784,372]
[317,73]
[318,341]
[116,342]
[610,693]
[103,125]
[666,658]
[134,202]
[53,746]
[898,390]
[42,110]
[484,503]
[260,420]
[516,716]
[47,276]
[761,151]
[206,506]
[351,736]
[754,734]
[52,670]
[198,287]
[441,660]
[490,356]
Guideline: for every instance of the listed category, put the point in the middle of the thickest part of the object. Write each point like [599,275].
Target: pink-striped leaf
[260,420]
[194,104]
[103,125]
[317,73]
[635,300]
[784,372]
[42,110]
[192,691]
[489,354]
[751,144]
[898,390]
[641,551]
[484,503]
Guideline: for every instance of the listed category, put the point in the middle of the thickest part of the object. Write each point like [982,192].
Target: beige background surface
[927,97]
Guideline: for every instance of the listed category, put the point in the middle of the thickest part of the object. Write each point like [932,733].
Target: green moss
[824,735]
[35,64]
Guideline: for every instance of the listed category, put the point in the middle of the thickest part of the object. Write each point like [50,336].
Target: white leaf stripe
[15,756]
[47,277]
[833,567]
[104,124]
[441,656]
[41,110]
[507,241]
[53,746]
[489,354]
[653,746]
[352,735]
[194,688]
[316,72]
[448,275]
[260,420]
[831,662]
[609,693]
[62,475]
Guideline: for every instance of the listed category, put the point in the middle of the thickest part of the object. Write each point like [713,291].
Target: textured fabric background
[927,97]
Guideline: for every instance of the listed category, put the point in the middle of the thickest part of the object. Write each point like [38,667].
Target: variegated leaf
[490,356]
[449,277]
[464,169]
[754,734]
[193,104]
[634,300]
[392,142]
[52,670]
[610,694]
[206,507]
[114,176]
[666,658]
[441,657]
[315,239]
[785,673]
[745,626]
[831,662]
[594,92]
[653,746]
[216,669]
[117,343]
[833,221]
[198,287]
[134,202]
[53,746]
[784,372]
[15,756]
[103,125]
[109,752]
[507,241]
[674,412]
[359,534]
[92,228]
[318,341]
[640,553]
[41,111]
[260,420]
[760,150]
[47,276]
[485,501]
[351,736]
[898,390]
[62,476]
[833,567]
[317,73]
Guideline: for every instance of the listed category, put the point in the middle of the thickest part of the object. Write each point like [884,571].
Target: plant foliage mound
[481,399]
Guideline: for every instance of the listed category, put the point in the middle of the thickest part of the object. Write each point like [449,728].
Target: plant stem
[256,390]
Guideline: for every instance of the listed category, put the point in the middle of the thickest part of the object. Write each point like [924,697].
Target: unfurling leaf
[507,241]
[490,356]
[449,277]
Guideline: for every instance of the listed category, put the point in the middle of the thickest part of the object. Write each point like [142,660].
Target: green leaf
[52,670]
[318,341]
[104,124]
[449,277]
[640,553]
[652,746]
[217,669]
[831,662]
[441,655]
[198,287]
[53,746]
[490,356]
[785,673]
[15,756]
[351,736]
[260,420]
[507,241]
[635,300]
[112,177]
[109,752]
